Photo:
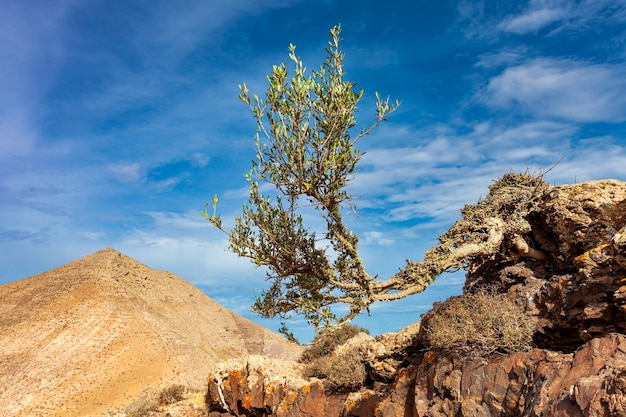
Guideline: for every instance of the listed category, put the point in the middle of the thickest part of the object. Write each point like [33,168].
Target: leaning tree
[306,149]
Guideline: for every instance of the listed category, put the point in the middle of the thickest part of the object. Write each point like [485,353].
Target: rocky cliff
[575,292]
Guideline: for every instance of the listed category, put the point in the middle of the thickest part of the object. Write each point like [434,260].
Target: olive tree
[306,150]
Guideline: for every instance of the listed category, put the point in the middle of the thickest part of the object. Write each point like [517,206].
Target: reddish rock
[259,386]
[588,382]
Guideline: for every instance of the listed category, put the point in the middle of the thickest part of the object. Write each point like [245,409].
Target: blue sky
[120,120]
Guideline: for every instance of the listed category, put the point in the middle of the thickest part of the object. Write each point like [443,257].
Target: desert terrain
[97,333]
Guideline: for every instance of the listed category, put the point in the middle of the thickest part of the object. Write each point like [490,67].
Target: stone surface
[258,386]
[588,382]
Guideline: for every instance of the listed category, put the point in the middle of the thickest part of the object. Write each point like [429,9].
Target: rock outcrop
[589,382]
[580,292]
[576,292]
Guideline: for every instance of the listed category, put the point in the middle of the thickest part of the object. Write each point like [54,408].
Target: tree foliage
[306,149]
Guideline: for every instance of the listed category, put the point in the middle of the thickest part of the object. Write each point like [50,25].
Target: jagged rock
[578,218]
[589,382]
[580,292]
[259,386]
[385,354]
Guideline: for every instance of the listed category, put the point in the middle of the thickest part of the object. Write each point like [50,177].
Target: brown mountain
[98,332]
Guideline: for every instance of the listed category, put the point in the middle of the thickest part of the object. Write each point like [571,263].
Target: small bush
[341,372]
[142,407]
[325,342]
[172,394]
[483,321]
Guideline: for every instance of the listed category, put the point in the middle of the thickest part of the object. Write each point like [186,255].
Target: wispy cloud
[127,173]
[562,14]
[198,257]
[508,56]
[433,181]
[561,88]
[484,20]
[539,14]
[15,235]
[178,222]
[377,238]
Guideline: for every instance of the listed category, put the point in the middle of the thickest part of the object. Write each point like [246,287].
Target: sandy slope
[96,333]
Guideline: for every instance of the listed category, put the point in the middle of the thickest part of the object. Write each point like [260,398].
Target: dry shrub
[144,406]
[198,399]
[484,321]
[172,394]
[343,372]
[326,341]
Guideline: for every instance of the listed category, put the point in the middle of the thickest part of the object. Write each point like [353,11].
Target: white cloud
[440,202]
[93,235]
[185,222]
[535,132]
[472,16]
[166,184]
[593,158]
[126,172]
[538,15]
[432,181]
[242,193]
[479,19]
[564,15]
[200,260]
[200,159]
[377,238]
[400,168]
[563,89]
[504,57]
[442,153]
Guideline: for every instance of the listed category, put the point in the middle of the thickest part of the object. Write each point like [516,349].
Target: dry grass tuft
[343,372]
[144,406]
[325,342]
[172,394]
[484,321]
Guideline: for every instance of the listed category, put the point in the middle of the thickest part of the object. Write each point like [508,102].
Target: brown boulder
[259,386]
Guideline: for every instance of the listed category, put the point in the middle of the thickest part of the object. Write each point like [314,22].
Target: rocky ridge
[578,366]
